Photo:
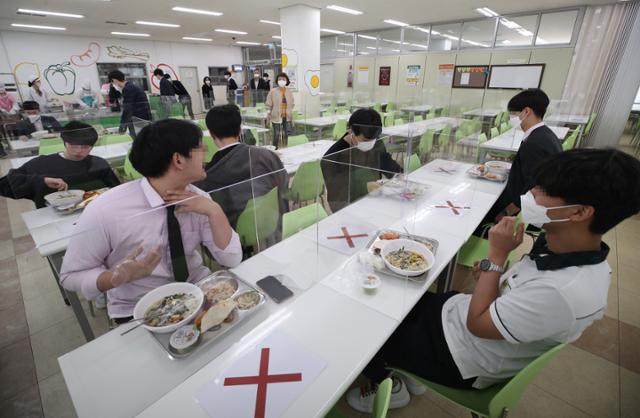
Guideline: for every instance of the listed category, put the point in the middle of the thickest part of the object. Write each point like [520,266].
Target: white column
[300,31]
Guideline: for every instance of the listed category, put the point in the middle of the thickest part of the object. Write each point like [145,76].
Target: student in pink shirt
[146,233]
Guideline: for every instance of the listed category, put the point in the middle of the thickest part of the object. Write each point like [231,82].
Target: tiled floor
[597,376]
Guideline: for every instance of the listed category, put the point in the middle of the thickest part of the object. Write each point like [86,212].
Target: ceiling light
[344,10]
[20,25]
[525,32]
[338,32]
[363,53]
[197,11]
[367,37]
[540,41]
[130,34]
[46,13]
[247,43]
[419,29]
[435,32]
[391,41]
[419,45]
[191,38]
[167,25]
[236,32]
[372,47]
[340,50]
[506,42]
[395,22]
[344,43]
[395,50]
[508,23]
[487,12]
[271,22]
[279,37]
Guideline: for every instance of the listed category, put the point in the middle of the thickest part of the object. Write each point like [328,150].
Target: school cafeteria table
[292,157]
[417,108]
[510,141]
[568,118]
[328,315]
[415,129]
[23,147]
[260,116]
[111,153]
[321,122]
[487,113]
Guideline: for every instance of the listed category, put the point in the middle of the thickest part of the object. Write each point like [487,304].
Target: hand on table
[55,183]
[504,237]
[132,268]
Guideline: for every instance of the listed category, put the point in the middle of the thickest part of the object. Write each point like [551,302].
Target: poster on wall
[385,76]
[470,76]
[350,77]
[292,72]
[445,74]
[363,74]
[413,75]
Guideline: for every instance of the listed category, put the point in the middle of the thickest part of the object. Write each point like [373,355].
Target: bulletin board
[470,76]
[519,76]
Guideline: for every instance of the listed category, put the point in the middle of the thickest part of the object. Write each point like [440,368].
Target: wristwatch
[488,265]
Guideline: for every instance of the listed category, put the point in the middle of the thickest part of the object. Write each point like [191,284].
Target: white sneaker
[414,387]
[361,399]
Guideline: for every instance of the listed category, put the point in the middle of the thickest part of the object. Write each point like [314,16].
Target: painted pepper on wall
[61,78]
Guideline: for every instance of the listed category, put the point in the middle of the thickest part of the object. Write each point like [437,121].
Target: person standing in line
[38,94]
[134,101]
[232,86]
[183,96]
[280,110]
[265,77]
[207,93]
[167,91]
[259,88]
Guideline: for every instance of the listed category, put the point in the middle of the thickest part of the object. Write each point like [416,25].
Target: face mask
[366,145]
[515,122]
[282,83]
[226,77]
[535,214]
[256,76]
[208,82]
[33,118]
[117,87]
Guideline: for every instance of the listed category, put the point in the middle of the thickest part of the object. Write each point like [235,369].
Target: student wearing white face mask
[280,104]
[550,297]
[34,121]
[527,109]
[356,159]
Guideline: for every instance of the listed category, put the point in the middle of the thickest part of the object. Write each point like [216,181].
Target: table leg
[55,262]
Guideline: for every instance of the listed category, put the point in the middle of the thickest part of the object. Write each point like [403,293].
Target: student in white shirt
[146,233]
[550,297]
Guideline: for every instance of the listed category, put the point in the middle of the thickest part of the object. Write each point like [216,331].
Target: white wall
[44,50]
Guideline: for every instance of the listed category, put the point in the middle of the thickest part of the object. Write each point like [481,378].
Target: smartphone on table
[276,290]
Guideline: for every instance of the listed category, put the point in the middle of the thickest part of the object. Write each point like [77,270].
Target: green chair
[297,140]
[418,118]
[202,124]
[444,137]
[130,173]
[212,148]
[589,124]
[426,144]
[259,219]
[301,218]
[380,402]
[570,142]
[431,114]
[51,149]
[339,129]
[399,121]
[326,113]
[377,107]
[498,120]
[307,184]
[110,121]
[494,132]
[494,401]
[504,128]
[176,111]
[344,111]
[389,120]
[414,163]
[391,106]
[256,135]
[482,138]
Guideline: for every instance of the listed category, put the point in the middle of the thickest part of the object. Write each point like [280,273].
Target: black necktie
[178,260]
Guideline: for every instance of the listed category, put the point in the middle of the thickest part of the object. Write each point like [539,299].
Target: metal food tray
[214,334]
[400,188]
[431,243]
[475,174]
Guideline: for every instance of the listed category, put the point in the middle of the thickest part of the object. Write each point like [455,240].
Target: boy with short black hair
[74,168]
[161,211]
[35,121]
[548,298]
[134,101]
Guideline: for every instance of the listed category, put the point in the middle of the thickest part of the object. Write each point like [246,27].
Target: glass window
[516,31]
[327,46]
[416,38]
[556,28]
[390,42]
[478,33]
[344,45]
[445,37]
[367,43]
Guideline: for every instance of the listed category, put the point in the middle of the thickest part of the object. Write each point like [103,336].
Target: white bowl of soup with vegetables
[168,307]
[407,257]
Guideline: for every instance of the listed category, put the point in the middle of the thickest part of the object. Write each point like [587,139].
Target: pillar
[300,31]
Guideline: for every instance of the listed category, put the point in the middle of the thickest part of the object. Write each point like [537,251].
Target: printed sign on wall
[385,76]
[413,75]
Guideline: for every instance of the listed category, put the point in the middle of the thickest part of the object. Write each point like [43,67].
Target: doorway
[189,77]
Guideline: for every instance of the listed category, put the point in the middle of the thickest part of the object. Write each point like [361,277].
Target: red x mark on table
[345,235]
[453,207]
[262,380]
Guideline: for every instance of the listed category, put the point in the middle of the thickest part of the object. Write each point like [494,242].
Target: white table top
[510,141]
[414,129]
[322,121]
[108,152]
[20,145]
[292,157]
[568,118]
[483,112]
[417,108]
[134,370]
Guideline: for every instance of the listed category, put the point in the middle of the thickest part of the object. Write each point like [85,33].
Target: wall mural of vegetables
[61,78]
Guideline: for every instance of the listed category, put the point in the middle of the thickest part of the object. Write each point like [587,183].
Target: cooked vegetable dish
[170,309]
[407,260]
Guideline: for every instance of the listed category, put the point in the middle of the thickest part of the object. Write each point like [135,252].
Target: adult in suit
[259,88]
[134,101]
